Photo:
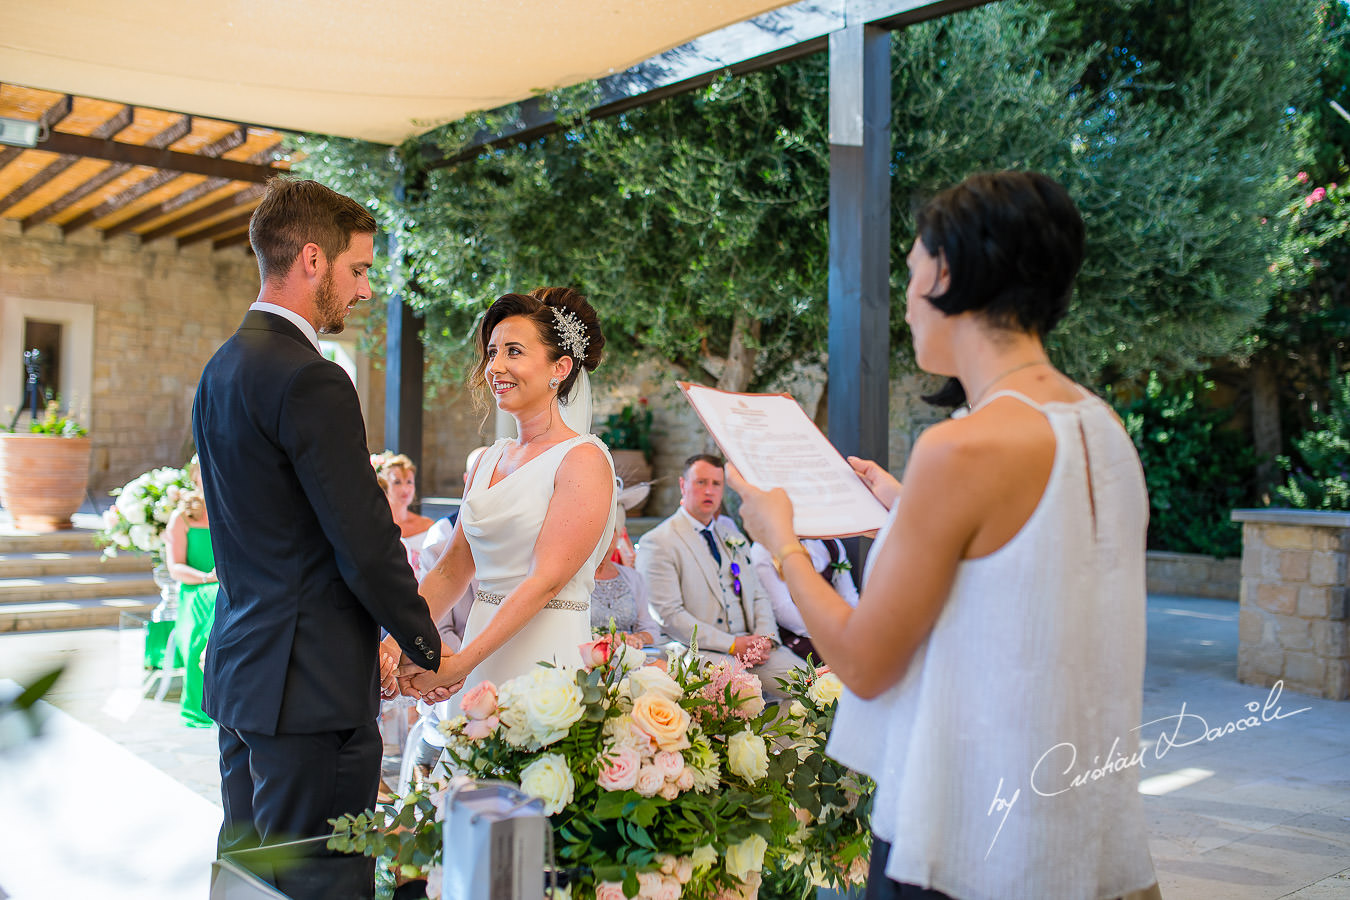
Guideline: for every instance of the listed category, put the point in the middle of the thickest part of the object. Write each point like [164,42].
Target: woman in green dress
[187,550]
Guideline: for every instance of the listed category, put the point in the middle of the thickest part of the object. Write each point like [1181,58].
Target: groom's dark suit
[310,567]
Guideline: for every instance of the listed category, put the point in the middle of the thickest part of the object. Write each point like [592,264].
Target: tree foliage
[699,223]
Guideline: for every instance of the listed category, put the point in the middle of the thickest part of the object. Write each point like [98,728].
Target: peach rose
[669,791]
[609,890]
[663,720]
[649,781]
[478,729]
[480,701]
[620,770]
[669,763]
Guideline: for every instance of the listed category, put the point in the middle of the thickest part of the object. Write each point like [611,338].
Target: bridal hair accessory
[571,333]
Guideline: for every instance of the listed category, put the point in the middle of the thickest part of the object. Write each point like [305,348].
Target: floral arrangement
[52,421]
[630,429]
[136,522]
[660,783]
[832,846]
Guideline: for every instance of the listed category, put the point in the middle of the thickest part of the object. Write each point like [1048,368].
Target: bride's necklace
[1000,376]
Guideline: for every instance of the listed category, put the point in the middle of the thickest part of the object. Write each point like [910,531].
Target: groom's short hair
[294,213]
[708,458]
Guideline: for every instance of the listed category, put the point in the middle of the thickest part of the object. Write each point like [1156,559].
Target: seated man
[697,567]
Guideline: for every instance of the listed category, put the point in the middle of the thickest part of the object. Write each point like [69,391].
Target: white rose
[796,710]
[703,858]
[746,856]
[553,704]
[628,658]
[143,537]
[747,756]
[549,779]
[651,680]
[511,710]
[825,689]
[133,508]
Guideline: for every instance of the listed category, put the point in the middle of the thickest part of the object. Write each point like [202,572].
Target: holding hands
[399,675]
[753,649]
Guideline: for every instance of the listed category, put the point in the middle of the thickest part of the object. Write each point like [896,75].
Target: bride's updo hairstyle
[1013,242]
[538,306]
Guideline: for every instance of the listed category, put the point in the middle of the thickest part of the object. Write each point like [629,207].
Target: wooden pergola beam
[61,163]
[224,144]
[211,210]
[170,160]
[228,226]
[166,137]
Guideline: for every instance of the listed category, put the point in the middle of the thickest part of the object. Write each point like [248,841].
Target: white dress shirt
[291,316]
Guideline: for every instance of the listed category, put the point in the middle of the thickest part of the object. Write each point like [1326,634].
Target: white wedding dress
[502,522]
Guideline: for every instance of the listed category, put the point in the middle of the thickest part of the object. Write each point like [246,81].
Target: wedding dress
[502,522]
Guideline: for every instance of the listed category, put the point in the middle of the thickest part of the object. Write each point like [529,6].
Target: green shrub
[1197,471]
[1319,477]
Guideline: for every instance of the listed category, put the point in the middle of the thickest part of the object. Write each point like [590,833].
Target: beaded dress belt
[483,596]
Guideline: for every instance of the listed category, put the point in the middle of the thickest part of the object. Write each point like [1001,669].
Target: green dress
[196,613]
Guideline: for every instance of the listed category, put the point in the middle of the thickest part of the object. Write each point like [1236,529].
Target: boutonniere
[734,541]
[842,566]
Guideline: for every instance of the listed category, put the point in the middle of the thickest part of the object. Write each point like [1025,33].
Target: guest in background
[830,561]
[398,479]
[192,563]
[697,565]
[997,653]
[620,597]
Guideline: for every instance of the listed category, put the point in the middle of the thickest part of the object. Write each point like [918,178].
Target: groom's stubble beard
[330,309]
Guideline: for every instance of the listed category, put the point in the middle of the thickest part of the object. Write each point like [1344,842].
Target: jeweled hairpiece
[571,332]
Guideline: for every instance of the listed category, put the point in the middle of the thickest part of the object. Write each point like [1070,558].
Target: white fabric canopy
[381,71]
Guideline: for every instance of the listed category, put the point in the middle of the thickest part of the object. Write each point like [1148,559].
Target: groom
[310,562]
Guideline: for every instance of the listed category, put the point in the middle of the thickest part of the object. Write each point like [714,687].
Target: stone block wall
[159,314]
[1295,581]
[1194,575]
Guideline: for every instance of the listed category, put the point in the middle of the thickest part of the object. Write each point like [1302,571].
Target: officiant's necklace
[1002,375]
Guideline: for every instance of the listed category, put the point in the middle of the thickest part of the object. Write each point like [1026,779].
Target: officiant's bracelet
[788,550]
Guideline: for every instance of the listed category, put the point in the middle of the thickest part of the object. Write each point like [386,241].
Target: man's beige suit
[688,589]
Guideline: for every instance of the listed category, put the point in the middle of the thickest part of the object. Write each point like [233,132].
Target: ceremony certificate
[769,438]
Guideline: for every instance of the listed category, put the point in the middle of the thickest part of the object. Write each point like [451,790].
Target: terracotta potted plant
[44,471]
[628,434]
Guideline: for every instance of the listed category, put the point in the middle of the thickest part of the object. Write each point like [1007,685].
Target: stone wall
[159,313]
[1193,575]
[1295,577]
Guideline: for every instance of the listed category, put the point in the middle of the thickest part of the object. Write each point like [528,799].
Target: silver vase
[167,610]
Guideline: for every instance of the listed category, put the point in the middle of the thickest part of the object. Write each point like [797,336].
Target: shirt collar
[291,316]
[698,526]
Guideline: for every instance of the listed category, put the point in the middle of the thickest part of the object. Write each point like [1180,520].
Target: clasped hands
[753,649]
[400,675]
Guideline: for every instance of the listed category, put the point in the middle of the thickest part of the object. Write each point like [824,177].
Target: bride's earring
[553,384]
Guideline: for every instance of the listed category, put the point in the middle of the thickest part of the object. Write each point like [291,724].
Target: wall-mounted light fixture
[20,132]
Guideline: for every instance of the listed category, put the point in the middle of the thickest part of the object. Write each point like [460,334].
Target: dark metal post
[860,237]
[403,360]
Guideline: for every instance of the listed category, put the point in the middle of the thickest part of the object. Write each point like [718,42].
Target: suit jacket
[688,588]
[309,559]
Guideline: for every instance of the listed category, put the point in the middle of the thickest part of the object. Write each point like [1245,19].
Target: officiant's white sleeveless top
[502,522]
[1031,681]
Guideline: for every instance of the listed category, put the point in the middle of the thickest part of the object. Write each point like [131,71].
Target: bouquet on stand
[660,783]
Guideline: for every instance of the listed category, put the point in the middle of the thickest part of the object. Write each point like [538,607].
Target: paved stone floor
[121,800]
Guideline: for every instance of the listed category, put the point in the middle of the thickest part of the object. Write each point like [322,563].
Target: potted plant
[44,471]
[628,434]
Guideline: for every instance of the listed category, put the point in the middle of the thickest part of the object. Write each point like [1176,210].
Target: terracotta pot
[43,479]
[633,468]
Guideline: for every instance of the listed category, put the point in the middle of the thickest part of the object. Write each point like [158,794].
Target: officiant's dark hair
[538,306]
[708,458]
[294,213]
[1013,243]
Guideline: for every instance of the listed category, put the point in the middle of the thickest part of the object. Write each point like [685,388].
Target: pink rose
[480,701]
[684,869]
[609,890]
[649,781]
[478,729]
[669,763]
[648,884]
[620,770]
[686,780]
[1302,177]
[595,653]
[669,791]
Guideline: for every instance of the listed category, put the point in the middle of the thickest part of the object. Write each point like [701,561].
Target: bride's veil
[576,412]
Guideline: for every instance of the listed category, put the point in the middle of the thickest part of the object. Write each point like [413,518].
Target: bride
[538,510]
